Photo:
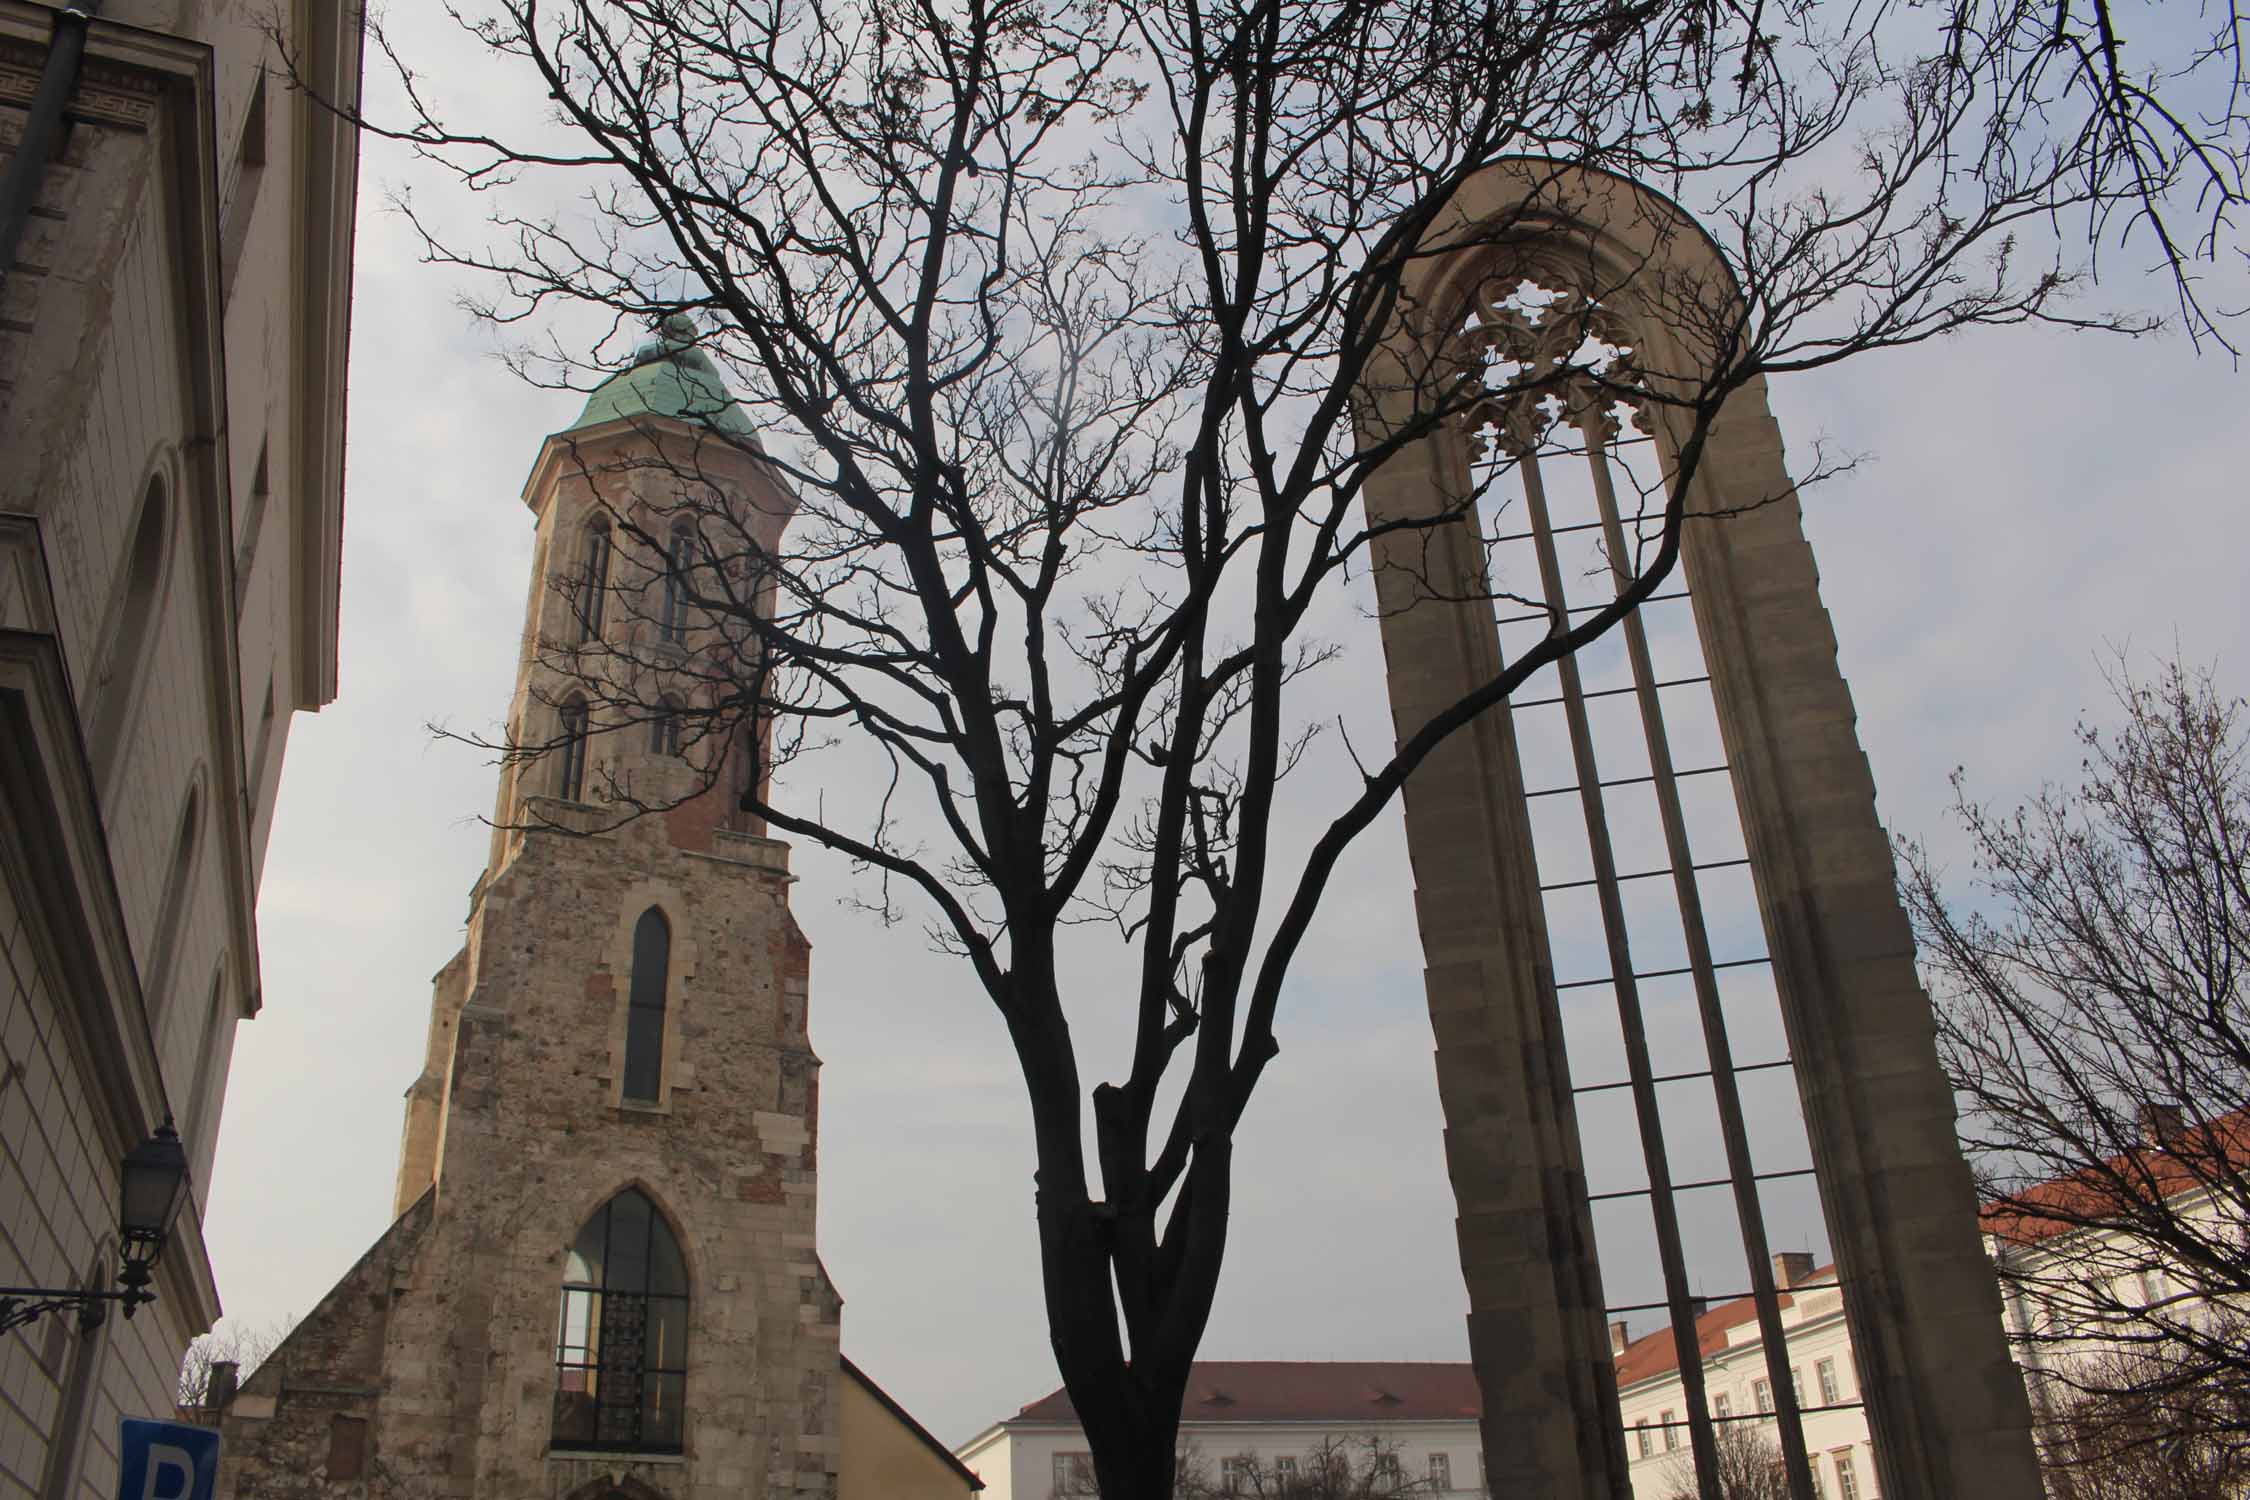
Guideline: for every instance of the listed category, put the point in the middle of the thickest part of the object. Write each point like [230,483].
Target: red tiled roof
[1270,1390]
[2092,1194]
[1654,1354]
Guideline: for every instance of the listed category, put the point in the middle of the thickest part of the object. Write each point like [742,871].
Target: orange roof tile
[1654,1354]
[2049,1208]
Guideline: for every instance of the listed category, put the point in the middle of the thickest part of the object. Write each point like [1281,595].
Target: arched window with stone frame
[664,728]
[593,579]
[172,910]
[570,727]
[645,1007]
[679,556]
[621,1345]
[79,1385]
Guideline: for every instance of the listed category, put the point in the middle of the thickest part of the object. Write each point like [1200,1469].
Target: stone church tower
[602,1280]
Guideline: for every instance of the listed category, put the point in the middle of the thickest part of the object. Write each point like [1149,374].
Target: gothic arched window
[679,557]
[179,894]
[644,1010]
[593,588]
[664,728]
[621,1353]
[126,648]
[570,779]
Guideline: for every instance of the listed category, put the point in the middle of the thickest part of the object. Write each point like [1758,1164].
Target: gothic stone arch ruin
[1946,1409]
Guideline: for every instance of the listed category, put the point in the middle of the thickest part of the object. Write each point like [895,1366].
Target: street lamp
[152,1188]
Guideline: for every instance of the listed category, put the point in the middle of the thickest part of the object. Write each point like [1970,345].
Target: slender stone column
[1536,1333]
[1945,1402]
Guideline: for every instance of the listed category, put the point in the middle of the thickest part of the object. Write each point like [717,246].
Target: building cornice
[324,201]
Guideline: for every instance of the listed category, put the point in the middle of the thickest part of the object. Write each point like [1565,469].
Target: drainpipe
[19,185]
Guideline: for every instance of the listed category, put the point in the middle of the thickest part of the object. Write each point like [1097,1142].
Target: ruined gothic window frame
[622,1322]
[647,1009]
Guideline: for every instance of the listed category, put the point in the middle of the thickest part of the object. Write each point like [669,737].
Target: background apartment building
[1738,1384]
[1256,1426]
[177,259]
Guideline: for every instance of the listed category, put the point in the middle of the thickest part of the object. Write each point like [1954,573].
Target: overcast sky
[2034,502]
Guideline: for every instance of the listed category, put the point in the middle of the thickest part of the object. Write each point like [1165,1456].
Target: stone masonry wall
[535,1140]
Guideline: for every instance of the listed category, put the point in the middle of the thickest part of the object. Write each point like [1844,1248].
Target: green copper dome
[670,377]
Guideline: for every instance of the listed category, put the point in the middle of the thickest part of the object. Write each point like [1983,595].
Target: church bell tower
[602,1279]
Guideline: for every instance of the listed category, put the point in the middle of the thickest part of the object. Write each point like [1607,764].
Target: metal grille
[1619,815]
[621,1352]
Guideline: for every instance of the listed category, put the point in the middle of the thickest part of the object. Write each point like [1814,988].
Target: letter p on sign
[167,1461]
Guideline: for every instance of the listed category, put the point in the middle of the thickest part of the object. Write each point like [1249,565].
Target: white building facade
[1739,1388]
[1269,1416]
[176,254]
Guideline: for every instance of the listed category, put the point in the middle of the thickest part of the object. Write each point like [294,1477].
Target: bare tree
[1370,1467]
[1750,1466]
[2140,1438]
[245,1346]
[1060,321]
[2094,1015]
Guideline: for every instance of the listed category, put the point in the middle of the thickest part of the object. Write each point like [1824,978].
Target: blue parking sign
[168,1461]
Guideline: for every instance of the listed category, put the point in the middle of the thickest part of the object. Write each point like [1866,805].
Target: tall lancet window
[621,1351]
[593,584]
[678,558]
[570,777]
[644,1011]
[664,728]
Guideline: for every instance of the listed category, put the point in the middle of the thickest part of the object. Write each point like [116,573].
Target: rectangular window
[1441,1472]
[1763,1390]
[2152,1285]
[1285,1469]
[1236,1474]
[1386,1468]
[1640,1432]
[1074,1473]
[1847,1483]
[1722,1405]
[1671,1433]
[1829,1394]
[1797,1383]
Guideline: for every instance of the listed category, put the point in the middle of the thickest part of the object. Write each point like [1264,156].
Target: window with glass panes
[644,1011]
[1441,1472]
[1829,1393]
[671,621]
[1074,1473]
[621,1354]
[1847,1482]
